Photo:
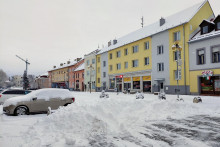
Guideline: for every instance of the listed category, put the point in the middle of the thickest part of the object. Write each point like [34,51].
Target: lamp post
[178,49]
[90,67]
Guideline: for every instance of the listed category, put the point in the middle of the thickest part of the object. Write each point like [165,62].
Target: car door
[38,104]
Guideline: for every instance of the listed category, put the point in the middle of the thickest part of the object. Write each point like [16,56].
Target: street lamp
[178,49]
[91,68]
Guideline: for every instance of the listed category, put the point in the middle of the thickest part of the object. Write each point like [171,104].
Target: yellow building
[59,76]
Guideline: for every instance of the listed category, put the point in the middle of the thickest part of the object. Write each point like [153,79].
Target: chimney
[162,21]
[61,64]
[78,59]
[68,62]
[114,41]
[54,66]
[109,43]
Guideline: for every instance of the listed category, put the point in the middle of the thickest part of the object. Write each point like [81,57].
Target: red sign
[120,76]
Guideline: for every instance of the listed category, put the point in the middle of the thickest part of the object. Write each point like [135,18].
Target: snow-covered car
[8,93]
[38,101]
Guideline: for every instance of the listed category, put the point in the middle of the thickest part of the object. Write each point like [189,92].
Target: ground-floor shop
[136,81]
[64,85]
[206,82]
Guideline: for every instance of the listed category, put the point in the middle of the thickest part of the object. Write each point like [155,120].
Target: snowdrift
[92,119]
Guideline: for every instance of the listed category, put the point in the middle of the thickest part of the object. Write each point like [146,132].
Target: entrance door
[207,85]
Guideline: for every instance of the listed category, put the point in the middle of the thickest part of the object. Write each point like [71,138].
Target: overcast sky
[48,32]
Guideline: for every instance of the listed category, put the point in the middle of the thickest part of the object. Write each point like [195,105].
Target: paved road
[193,131]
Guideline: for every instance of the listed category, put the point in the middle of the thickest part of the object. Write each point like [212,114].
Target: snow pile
[91,118]
[1,109]
[46,94]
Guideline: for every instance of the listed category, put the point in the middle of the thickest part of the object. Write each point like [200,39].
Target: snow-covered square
[118,121]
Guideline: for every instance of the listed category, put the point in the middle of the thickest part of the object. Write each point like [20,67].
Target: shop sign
[120,76]
[146,78]
[136,78]
[207,73]
[127,79]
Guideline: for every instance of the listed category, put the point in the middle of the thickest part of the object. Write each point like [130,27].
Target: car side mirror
[34,99]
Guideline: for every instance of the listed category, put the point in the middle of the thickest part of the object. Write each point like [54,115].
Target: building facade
[90,71]
[42,81]
[204,59]
[79,78]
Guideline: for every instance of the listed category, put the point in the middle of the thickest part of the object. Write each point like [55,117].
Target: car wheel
[21,110]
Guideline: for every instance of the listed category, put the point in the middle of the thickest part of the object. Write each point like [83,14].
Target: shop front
[209,83]
[146,83]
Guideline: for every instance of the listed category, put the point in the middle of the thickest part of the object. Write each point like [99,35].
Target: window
[201,56]
[160,50]
[160,66]
[135,49]
[87,62]
[87,73]
[110,56]
[205,29]
[98,69]
[218,26]
[93,61]
[98,80]
[110,67]
[118,66]
[126,51]
[72,83]
[98,59]
[146,61]
[177,75]
[146,45]
[126,64]
[104,63]
[175,55]
[176,36]
[118,54]
[134,63]
[215,54]
[104,74]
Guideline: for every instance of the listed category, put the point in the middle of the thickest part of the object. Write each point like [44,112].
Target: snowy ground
[120,120]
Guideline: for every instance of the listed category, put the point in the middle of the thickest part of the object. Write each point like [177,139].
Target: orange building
[79,78]
[73,75]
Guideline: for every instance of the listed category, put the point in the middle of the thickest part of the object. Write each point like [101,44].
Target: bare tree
[3,78]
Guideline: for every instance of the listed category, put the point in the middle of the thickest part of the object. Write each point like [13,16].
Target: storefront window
[217,84]
[136,85]
[111,83]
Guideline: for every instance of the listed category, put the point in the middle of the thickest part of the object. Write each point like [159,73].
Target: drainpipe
[184,59]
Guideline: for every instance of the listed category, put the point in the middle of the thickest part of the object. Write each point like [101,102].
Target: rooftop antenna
[142,21]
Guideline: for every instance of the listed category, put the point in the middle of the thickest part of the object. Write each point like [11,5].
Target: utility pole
[25,78]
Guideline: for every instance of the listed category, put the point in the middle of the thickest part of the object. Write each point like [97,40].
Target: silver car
[38,101]
[8,93]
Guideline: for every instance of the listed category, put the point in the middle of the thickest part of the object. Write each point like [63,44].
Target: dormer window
[205,29]
[218,26]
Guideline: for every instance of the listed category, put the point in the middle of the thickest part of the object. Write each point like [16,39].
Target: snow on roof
[80,67]
[198,36]
[64,65]
[45,74]
[170,22]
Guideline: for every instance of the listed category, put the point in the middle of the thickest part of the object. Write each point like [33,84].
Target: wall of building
[140,55]
[157,40]
[104,57]
[93,75]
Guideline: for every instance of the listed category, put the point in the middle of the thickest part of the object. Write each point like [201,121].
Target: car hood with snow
[47,94]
